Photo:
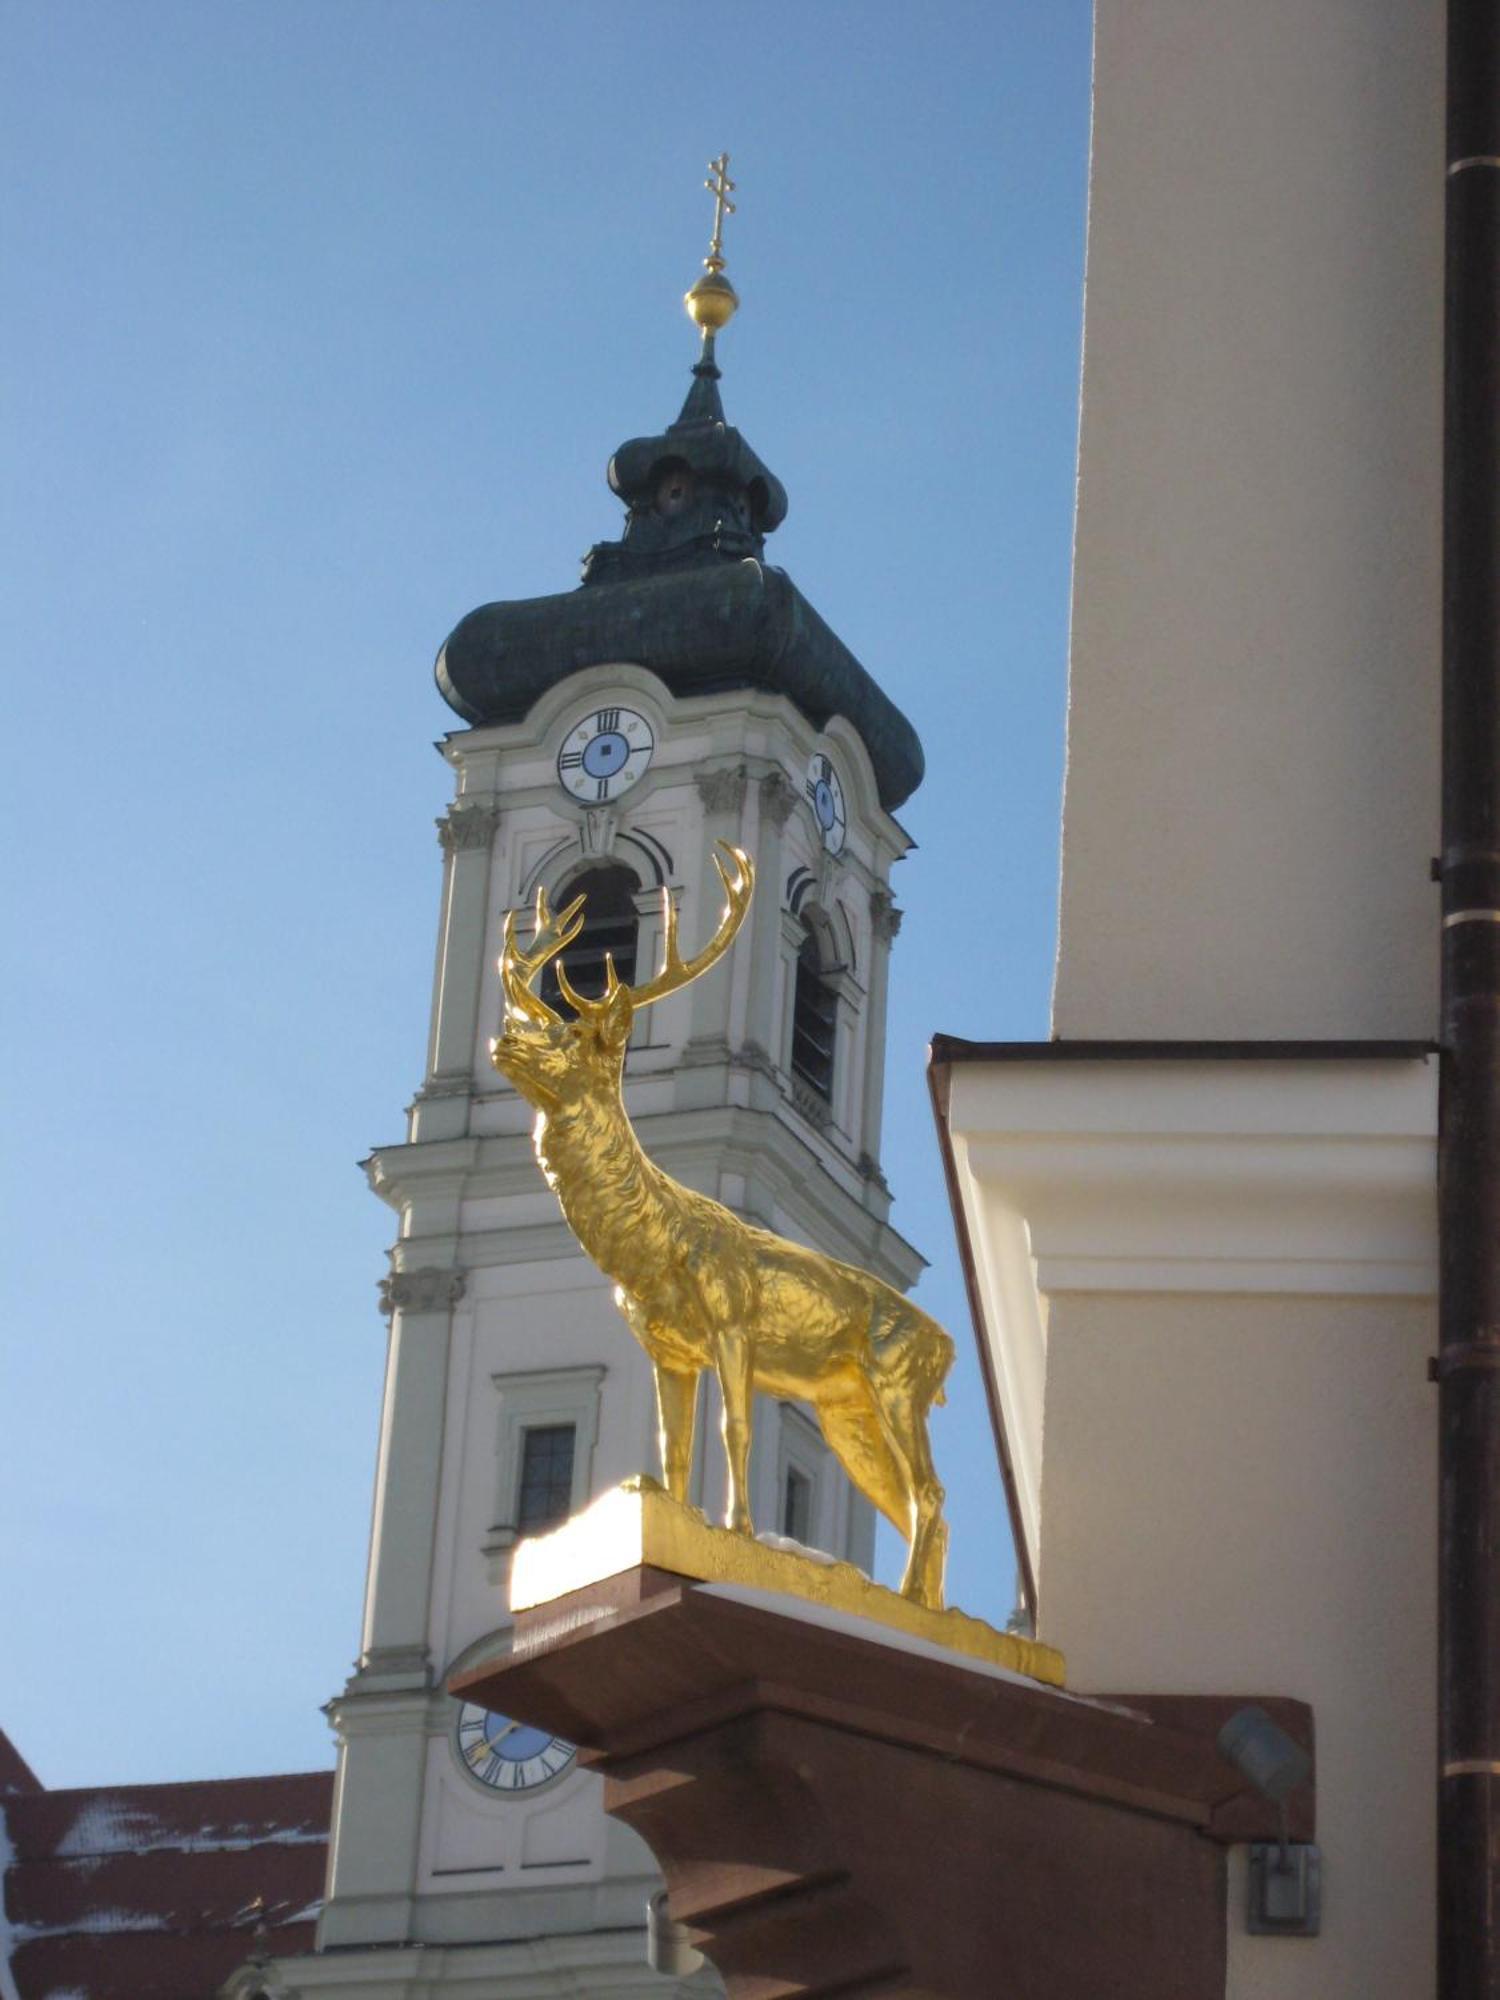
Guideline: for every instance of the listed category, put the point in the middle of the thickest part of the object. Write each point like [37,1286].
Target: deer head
[554,1062]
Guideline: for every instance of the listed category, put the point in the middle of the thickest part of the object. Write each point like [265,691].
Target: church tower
[684,693]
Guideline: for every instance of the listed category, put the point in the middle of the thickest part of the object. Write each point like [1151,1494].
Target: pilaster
[774,801]
[467,834]
[377,1816]
[410,1461]
[885,922]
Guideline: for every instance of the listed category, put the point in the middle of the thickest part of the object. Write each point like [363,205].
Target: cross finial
[712,301]
[720,187]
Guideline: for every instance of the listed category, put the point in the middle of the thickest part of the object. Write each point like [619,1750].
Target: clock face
[826,797]
[509,1756]
[604,753]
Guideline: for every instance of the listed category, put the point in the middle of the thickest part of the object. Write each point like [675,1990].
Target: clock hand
[501,1734]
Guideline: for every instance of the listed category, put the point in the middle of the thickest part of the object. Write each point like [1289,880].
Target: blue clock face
[826,797]
[509,1756]
[604,753]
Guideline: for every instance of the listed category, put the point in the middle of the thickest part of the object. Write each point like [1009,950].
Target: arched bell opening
[610,930]
[815,1008]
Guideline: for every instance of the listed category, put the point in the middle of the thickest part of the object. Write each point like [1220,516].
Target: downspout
[1469,1139]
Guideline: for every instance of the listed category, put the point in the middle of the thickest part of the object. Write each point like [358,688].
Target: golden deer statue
[699,1286]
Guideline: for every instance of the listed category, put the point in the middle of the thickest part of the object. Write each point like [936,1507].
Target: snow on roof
[159,1892]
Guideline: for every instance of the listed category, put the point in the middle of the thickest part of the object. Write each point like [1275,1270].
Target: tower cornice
[701,631]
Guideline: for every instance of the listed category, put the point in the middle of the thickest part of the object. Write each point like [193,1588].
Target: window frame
[541,1399]
[800,1448]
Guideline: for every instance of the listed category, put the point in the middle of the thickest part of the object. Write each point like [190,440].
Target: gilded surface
[639,1523]
[712,301]
[701,1288]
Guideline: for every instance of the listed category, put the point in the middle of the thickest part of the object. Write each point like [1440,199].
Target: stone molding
[427,1289]
[389,1669]
[751,1056]
[723,791]
[704,1051]
[451,1085]
[815,1109]
[1294,1178]
[598,831]
[564,1965]
[778,797]
[829,869]
[466,825]
[885,917]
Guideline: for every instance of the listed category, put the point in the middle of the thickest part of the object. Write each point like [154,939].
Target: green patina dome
[686,593]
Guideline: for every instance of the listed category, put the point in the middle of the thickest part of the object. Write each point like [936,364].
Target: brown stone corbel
[837,1811]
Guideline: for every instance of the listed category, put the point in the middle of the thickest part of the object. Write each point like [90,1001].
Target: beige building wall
[1239,1495]
[1252,783]
[1237,1486]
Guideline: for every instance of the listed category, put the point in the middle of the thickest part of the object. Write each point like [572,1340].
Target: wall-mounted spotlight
[1286,1877]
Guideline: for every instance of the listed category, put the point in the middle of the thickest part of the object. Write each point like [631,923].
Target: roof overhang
[1230,1167]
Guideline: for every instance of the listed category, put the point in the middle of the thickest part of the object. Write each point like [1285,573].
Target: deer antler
[518,968]
[738,878]
[737,873]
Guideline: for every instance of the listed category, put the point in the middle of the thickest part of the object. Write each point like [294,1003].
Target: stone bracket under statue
[838,1805]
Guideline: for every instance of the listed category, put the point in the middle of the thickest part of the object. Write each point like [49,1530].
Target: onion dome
[684,591]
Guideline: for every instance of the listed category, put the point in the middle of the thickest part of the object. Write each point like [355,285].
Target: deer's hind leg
[881,1441]
[910,1355]
[927,1554]
[857,1438]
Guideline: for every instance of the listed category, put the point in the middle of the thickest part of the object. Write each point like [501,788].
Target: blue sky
[320,323]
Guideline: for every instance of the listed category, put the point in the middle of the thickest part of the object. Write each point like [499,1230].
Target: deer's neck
[609,1191]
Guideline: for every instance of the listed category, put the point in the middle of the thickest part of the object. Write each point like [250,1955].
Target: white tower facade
[468,1857]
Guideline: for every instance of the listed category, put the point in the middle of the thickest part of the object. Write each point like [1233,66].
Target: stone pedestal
[841,1809]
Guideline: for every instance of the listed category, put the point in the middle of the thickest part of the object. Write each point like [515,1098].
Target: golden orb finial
[712,301]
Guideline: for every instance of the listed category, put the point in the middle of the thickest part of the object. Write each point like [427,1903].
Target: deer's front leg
[732,1361]
[676,1412]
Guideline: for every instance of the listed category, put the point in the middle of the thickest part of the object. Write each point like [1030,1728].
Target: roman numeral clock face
[604,753]
[509,1757]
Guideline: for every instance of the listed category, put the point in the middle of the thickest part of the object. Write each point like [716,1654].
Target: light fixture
[1286,1877]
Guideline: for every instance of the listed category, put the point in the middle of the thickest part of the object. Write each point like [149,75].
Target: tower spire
[712,301]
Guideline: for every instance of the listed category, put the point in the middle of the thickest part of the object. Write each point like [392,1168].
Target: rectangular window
[796,1506]
[547,1423]
[545,1492]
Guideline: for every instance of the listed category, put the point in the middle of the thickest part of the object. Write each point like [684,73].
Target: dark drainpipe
[1469,1142]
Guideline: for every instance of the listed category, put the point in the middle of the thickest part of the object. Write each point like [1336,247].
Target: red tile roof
[16,1775]
[158,1892]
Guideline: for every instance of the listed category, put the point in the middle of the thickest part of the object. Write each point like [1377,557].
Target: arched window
[814,1016]
[609,926]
